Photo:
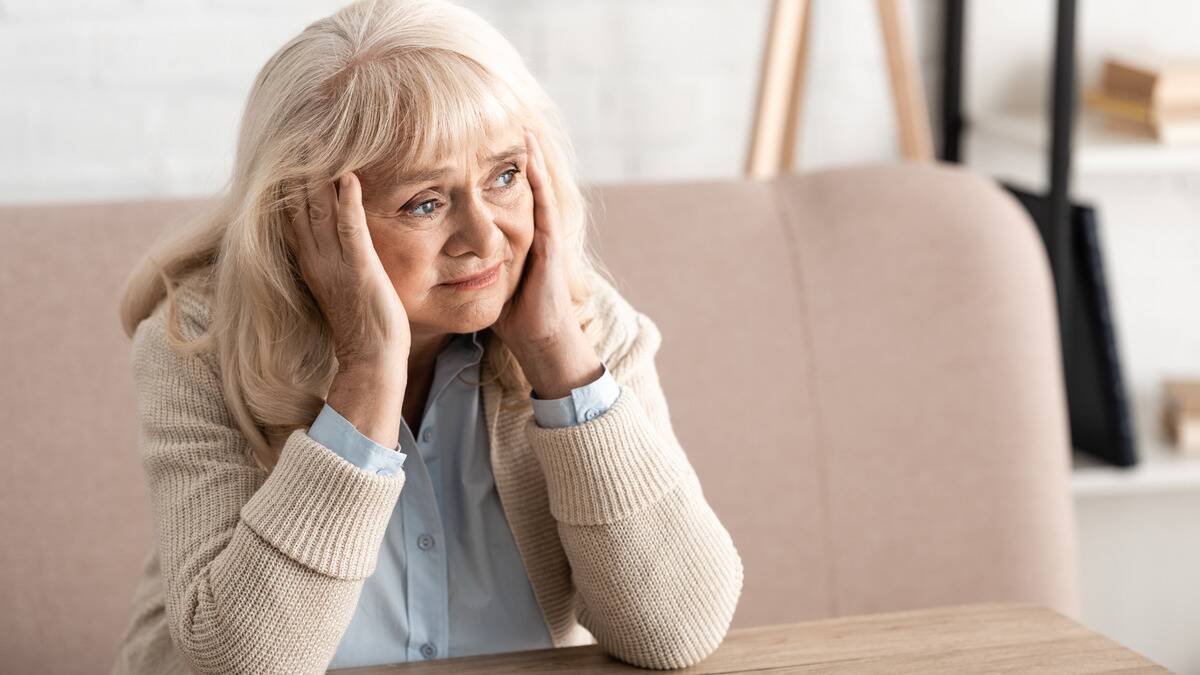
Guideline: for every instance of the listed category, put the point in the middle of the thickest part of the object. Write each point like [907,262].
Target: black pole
[1062,116]
[952,56]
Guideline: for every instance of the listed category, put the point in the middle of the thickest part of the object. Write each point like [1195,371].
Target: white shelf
[1160,469]
[1097,149]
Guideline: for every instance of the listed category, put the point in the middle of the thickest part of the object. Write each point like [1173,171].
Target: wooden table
[979,638]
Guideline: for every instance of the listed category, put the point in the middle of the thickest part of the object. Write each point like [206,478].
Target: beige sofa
[862,364]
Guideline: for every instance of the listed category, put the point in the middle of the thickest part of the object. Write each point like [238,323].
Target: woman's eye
[421,210]
[512,178]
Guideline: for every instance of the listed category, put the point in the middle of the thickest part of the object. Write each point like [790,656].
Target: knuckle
[317,212]
[346,227]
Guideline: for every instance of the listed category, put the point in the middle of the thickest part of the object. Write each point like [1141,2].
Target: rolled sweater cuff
[322,511]
[609,467]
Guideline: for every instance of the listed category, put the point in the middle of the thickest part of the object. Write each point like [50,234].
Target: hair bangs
[453,106]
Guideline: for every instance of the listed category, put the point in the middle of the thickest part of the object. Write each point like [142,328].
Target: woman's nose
[475,229]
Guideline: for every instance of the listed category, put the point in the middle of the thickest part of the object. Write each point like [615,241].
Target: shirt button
[384,472]
[425,542]
[591,414]
[429,650]
[427,435]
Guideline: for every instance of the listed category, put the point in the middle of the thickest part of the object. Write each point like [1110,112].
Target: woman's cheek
[527,231]
[519,216]
[410,261]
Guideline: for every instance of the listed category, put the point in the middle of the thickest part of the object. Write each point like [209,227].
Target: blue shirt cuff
[585,403]
[335,432]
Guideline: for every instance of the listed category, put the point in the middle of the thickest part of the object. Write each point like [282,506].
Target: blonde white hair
[376,81]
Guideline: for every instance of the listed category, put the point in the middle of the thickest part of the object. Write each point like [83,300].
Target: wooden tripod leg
[780,91]
[912,116]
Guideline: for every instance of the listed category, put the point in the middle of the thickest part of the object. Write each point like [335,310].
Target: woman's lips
[478,281]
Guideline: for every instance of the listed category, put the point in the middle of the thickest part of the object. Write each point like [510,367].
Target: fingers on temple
[322,218]
[352,228]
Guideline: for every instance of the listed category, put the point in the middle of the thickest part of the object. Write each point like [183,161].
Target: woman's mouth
[482,280]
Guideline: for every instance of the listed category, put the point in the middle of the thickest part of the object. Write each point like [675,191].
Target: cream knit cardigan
[262,573]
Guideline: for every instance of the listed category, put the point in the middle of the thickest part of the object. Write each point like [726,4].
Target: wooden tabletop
[989,637]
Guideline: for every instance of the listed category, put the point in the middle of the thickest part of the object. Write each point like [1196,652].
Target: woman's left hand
[538,323]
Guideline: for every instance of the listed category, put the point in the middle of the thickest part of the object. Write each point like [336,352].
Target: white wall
[1011,43]
[109,99]
[1139,557]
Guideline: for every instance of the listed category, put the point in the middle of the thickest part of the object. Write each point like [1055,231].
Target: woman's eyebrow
[433,174]
[518,150]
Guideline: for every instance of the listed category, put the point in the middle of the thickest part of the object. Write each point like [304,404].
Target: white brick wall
[110,99]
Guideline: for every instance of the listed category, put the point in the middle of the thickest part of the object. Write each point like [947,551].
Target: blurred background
[136,99]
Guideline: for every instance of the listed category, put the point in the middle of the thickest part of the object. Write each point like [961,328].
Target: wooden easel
[781,84]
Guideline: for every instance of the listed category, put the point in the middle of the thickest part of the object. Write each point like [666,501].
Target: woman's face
[459,218]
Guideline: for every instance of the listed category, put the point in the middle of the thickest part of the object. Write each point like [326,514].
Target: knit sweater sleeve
[260,573]
[656,575]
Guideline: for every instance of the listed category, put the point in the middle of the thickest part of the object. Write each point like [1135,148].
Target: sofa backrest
[862,364]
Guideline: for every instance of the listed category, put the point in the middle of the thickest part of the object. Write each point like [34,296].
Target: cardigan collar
[521,485]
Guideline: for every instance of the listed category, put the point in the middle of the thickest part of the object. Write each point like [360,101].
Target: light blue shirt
[449,580]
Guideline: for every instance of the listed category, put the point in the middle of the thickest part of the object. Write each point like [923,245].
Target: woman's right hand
[338,262]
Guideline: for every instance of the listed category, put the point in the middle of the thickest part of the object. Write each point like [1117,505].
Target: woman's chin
[477,315]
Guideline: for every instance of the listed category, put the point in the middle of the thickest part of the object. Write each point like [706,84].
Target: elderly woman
[391,409]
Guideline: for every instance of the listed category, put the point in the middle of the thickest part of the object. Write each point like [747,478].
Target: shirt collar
[464,349]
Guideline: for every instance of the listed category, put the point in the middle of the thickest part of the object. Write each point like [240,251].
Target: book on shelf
[1163,83]
[1181,414]
[1150,96]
